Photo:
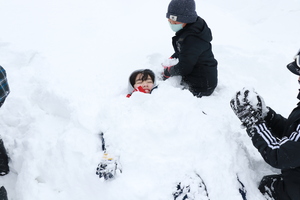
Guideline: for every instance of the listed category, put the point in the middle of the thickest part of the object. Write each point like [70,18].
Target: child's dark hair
[145,73]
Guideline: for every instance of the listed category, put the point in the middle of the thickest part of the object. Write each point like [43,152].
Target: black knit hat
[182,11]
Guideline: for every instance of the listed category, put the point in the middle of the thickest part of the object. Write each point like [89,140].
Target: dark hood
[198,28]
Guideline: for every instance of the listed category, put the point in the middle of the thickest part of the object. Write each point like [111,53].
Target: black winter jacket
[279,145]
[197,64]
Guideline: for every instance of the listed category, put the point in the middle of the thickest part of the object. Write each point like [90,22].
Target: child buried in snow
[190,187]
[142,80]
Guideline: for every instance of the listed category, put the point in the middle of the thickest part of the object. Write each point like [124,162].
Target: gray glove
[108,167]
[249,107]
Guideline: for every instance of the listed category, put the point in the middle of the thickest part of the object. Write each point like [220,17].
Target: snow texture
[68,64]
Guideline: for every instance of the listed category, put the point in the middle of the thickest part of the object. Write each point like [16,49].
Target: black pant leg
[3,193]
[273,186]
[4,169]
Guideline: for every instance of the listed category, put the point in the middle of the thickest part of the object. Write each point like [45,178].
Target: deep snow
[68,64]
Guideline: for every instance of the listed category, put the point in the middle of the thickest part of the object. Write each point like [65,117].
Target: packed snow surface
[68,64]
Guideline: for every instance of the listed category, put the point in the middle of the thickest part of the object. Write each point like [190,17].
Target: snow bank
[68,64]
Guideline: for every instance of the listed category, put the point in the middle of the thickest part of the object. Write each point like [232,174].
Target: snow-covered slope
[68,63]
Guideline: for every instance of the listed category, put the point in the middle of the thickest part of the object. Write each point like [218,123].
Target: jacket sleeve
[191,48]
[4,88]
[281,154]
[175,55]
[276,123]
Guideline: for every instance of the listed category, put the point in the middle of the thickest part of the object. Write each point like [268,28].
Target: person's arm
[103,142]
[192,48]
[175,55]
[4,88]
[281,154]
[276,122]
[109,164]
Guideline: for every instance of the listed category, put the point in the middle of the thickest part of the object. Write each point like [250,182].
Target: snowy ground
[68,64]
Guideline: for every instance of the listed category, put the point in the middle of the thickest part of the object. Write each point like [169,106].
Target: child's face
[147,85]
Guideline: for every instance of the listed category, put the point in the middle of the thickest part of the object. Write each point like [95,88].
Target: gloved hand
[166,73]
[249,107]
[191,187]
[181,191]
[167,64]
[108,167]
[294,66]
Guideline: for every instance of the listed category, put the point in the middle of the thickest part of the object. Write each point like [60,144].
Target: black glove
[166,73]
[248,106]
[167,64]
[108,167]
